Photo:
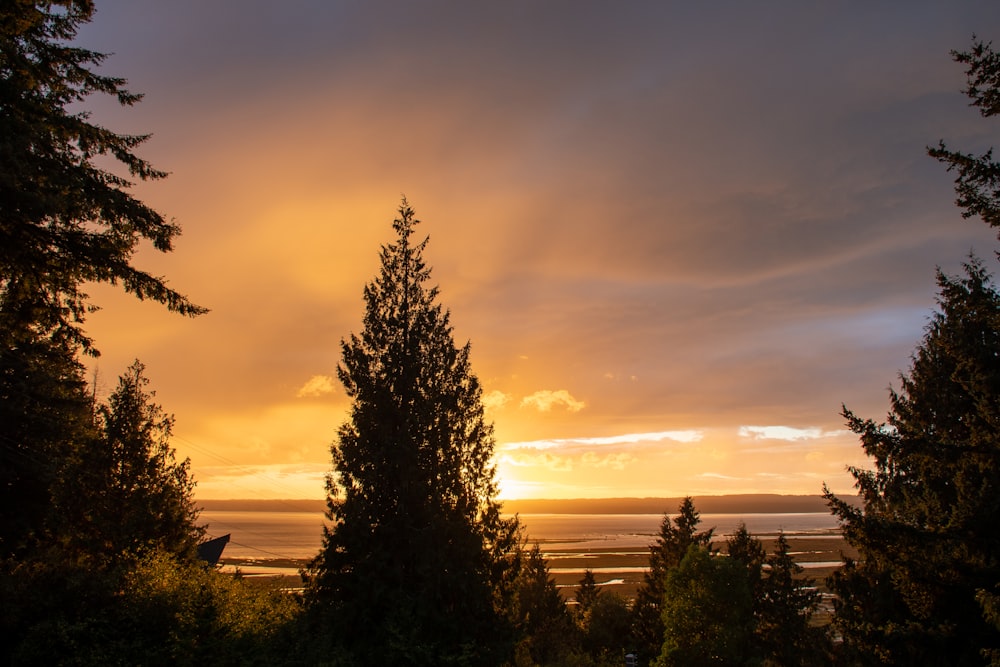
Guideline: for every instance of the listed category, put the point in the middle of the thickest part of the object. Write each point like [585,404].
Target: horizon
[674,264]
[758,503]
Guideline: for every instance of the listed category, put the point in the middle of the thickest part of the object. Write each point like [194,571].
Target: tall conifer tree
[676,536]
[925,587]
[416,549]
[926,530]
[783,607]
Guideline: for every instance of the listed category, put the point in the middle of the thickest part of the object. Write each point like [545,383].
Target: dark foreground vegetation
[99,534]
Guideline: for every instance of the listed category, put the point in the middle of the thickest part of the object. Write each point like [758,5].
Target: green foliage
[676,536]
[746,608]
[160,612]
[707,611]
[416,555]
[977,181]
[66,221]
[783,602]
[925,530]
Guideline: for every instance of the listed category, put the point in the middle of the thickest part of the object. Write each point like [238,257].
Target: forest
[99,527]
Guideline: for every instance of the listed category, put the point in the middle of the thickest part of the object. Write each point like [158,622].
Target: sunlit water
[298,535]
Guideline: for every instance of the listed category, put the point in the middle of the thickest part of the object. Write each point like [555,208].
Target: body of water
[298,535]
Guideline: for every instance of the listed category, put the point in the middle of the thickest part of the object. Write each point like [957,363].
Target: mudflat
[622,571]
[618,570]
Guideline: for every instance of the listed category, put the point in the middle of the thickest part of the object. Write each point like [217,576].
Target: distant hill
[757,503]
[762,503]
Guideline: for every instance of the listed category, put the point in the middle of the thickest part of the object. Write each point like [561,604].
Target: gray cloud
[730,204]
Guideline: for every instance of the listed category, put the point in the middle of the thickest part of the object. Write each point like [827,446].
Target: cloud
[615,461]
[495,400]
[624,212]
[546,399]
[687,436]
[607,452]
[545,460]
[567,463]
[317,385]
[788,433]
[720,476]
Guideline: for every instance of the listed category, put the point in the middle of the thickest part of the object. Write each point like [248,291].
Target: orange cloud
[546,399]
[789,433]
[495,400]
[317,385]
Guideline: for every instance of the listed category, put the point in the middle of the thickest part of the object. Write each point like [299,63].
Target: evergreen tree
[977,181]
[45,412]
[416,555]
[672,544]
[742,546]
[748,551]
[783,609]
[124,493]
[587,592]
[65,221]
[545,631]
[114,495]
[925,531]
[782,603]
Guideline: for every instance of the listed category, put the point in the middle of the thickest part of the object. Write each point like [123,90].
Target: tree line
[99,529]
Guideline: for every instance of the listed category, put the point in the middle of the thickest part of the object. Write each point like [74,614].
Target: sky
[679,236]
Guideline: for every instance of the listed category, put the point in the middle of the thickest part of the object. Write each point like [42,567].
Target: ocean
[267,535]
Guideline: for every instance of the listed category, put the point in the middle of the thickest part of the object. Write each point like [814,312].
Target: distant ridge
[750,503]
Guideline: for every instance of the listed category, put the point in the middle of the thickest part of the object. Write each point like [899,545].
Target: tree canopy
[416,550]
[925,530]
[97,530]
[65,220]
[977,177]
[924,586]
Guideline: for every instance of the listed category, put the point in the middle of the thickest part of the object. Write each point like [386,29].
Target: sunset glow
[678,238]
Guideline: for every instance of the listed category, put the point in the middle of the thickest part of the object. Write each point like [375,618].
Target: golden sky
[678,237]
